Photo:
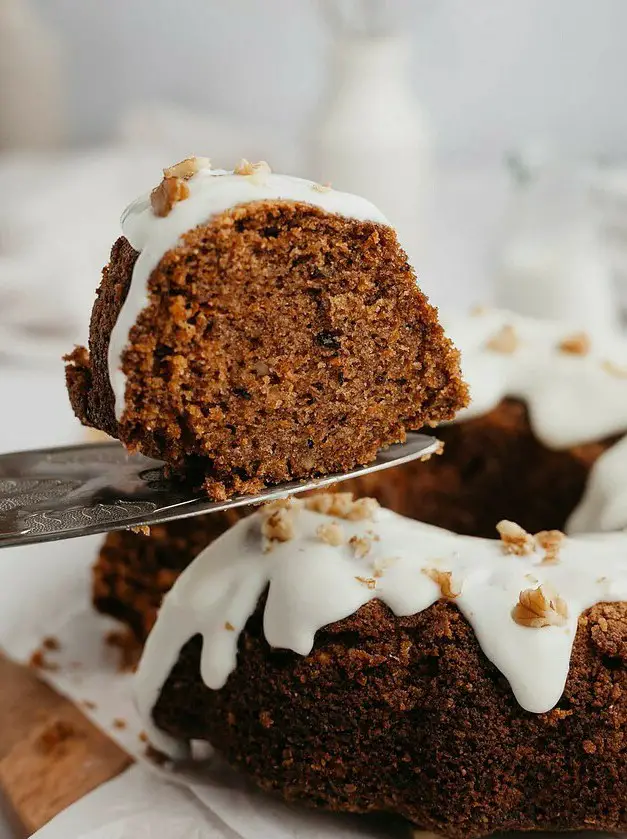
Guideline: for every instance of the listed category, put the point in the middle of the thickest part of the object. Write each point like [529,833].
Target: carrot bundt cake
[537,445]
[253,328]
[349,658]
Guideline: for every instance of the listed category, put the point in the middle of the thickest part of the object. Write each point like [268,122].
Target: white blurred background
[492,134]
[489,72]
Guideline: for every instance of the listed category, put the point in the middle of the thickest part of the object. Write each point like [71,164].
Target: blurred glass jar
[552,260]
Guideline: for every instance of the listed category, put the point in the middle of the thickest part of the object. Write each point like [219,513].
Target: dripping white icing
[604,504]
[312,584]
[572,399]
[211,191]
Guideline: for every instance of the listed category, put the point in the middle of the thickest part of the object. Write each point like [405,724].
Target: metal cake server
[60,493]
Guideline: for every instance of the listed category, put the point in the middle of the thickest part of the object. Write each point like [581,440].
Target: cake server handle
[61,493]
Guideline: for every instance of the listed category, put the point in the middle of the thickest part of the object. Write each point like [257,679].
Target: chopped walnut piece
[550,541]
[577,344]
[331,534]
[504,341]
[321,187]
[369,582]
[445,580]
[278,526]
[614,369]
[379,565]
[290,503]
[245,167]
[141,529]
[515,539]
[167,194]
[187,168]
[363,509]
[319,503]
[342,505]
[439,449]
[361,546]
[537,608]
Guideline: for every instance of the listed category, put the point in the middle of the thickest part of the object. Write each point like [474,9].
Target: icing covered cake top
[574,382]
[323,558]
[191,193]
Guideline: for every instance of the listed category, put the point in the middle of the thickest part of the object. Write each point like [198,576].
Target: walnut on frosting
[342,505]
[369,582]
[361,546]
[444,579]
[279,520]
[245,167]
[173,188]
[576,344]
[550,541]
[504,341]
[331,533]
[321,187]
[169,192]
[185,169]
[515,539]
[537,608]
[379,565]
[614,369]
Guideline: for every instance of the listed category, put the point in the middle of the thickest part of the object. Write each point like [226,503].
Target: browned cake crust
[492,468]
[280,341]
[134,571]
[406,715]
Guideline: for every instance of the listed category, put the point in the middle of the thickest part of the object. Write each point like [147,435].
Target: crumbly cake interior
[279,341]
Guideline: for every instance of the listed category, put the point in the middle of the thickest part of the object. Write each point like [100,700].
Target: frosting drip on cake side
[574,384]
[329,567]
[211,191]
[604,504]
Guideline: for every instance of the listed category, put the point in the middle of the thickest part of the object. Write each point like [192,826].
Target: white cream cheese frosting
[604,503]
[574,384]
[573,397]
[211,192]
[330,567]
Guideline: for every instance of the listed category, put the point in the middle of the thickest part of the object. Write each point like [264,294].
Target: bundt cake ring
[349,658]
[337,652]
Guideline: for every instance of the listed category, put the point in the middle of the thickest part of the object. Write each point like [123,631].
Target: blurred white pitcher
[552,261]
[370,135]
